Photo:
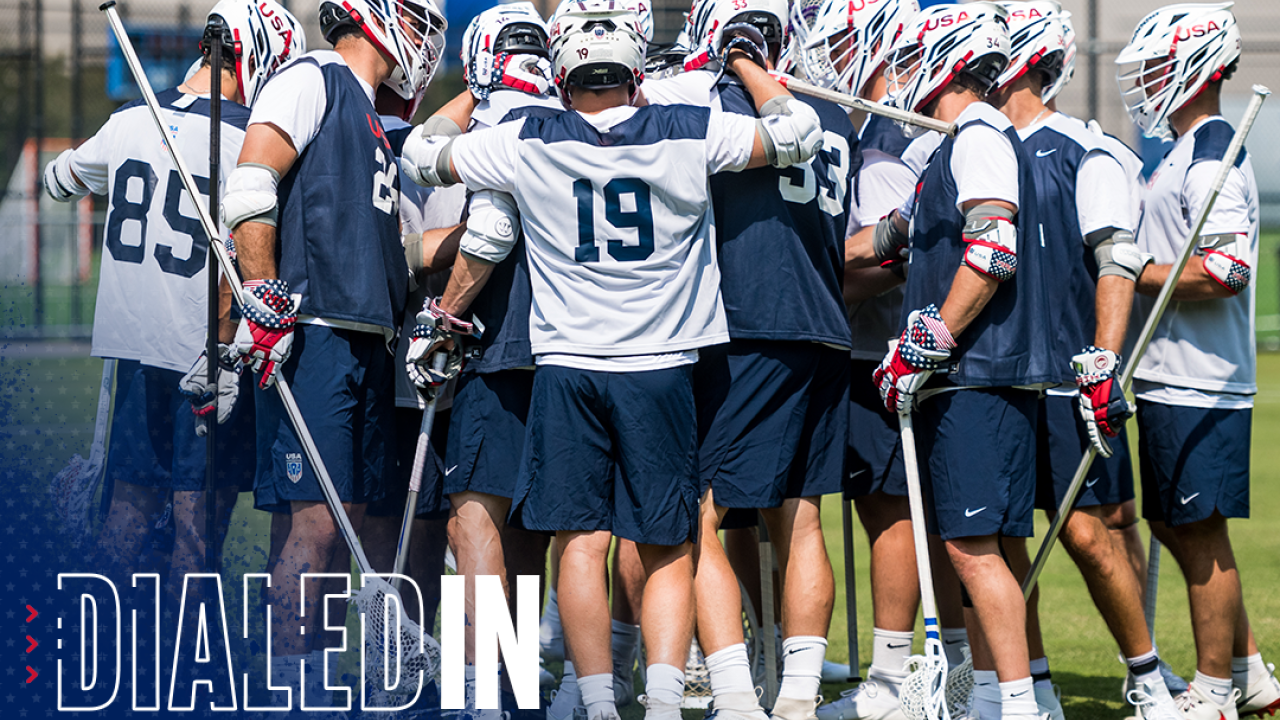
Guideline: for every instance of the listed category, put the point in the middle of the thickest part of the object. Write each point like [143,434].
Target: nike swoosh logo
[971,513]
[1046,153]
[898,647]
[1091,483]
[449,470]
[1024,692]
[952,642]
[1186,500]
[793,651]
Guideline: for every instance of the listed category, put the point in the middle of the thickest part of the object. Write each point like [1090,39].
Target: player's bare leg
[1204,553]
[666,619]
[895,592]
[1015,550]
[584,611]
[999,608]
[475,528]
[628,591]
[189,533]
[1107,571]
[1121,520]
[125,539]
[742,546]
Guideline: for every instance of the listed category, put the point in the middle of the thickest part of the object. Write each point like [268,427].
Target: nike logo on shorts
[1186,500]
[449,470]
[970,513]
[1046,153]
[1091,483]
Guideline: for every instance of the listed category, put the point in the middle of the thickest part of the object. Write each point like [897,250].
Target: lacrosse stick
[415,476]
[857,103]
[414,651]
[211,337]
[73,487]
[1153,587]
[767,620]
[924,692]
[1260,94]
[850,591]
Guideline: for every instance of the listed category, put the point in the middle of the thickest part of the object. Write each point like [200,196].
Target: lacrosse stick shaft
[102,419]
[415,476]
[1260,94]
[850,590]
[1153,587]
[915,499]
[857,103]
[767,620]
[211,337]
[237,290]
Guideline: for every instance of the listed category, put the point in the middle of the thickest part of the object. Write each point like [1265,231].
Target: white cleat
[1153,703]
[871,700]
[1261,697]
[1049,702]
[833,672]
[654,710]
[1172,680]
[1198,705]
[737,706]
[785,708]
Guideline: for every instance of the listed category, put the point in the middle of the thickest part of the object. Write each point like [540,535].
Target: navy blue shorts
[1193,461]
[773,419]
[343,383]
[874,458]
[1063,439]
[153,434]
[612,451]
[430,506]
[978,461]
[486,439]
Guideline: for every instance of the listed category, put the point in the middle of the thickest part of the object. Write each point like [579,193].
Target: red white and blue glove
[1102,402]
[265,335]
[201,394]
[924,347]
[436,331]
[524,72]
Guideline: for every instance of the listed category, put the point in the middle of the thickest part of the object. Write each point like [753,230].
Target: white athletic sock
[802,658]
[551,611]
[1145,668]
[1248,670]
[569,696]
[1040,675]
[954,641]
[625,640]
[665,683]
[986,695]
[1216,689]
[1018,697]
[597,695]
[890,650]
[730,671]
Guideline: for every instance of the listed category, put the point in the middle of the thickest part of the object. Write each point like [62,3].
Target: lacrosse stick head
[923,694]
[71,491]
[396,650]
[960,686]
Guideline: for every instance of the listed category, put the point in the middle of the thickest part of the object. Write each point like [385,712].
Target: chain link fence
[61,77]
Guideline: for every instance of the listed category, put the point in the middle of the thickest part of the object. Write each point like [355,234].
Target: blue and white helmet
[411,32]
[642,8]
[1068,60]
[261,35]
[596,44]
[850,40]
[1037,40]
[509,29]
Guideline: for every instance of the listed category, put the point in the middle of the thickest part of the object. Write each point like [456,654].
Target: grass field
[46,407]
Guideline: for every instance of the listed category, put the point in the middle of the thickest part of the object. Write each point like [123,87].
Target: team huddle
[634,311]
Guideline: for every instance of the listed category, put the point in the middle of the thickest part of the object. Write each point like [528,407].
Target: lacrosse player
[314,204]
[771,404]
[153,291]
[974,338]
[1087,216]
[1196,382]
[616,218]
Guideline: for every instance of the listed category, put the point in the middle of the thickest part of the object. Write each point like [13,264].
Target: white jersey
[616,212]
[1203,352]
[490,112]
[152,289]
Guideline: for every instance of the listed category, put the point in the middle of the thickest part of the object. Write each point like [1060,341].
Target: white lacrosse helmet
[709,18]
[800,19]
[260,34]
[410,31]
[1037,40]
[1068,60]
[596,44]
[942,42]
[642,8]
[850,41]
[1173,54]
[508,29]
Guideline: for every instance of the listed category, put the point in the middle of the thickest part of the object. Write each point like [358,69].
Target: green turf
[50,404]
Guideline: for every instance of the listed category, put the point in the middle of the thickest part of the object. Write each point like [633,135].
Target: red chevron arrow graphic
[33,644]
[33,614]
[34,674]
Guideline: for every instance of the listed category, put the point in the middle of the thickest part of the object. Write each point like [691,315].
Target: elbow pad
[250,195]
[1117,254]
[789,130]
[1221,263]
[492,227]
[992,242]
[59,181]
[425,158]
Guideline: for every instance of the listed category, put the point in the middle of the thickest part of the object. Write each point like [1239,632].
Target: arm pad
[992,240]
[492,226]
[789,130]
[1230,271]
[890,243]
[426,153]
[60,182]
[250,195]
[1117,254]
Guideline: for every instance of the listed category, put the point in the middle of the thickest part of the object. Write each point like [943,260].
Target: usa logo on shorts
[293,466]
